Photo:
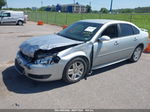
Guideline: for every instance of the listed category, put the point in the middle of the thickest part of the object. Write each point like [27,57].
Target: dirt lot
[120,86]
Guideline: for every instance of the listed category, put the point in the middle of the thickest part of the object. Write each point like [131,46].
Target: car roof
[102,21]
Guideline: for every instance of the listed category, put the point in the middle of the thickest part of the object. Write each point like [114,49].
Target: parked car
[16,17]
[82,47]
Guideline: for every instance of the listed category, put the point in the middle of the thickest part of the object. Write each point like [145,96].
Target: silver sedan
[75,51]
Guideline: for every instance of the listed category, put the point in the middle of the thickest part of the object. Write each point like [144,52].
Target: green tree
[53,8]
[2,3]
[42,9]
[88,8]
[104,10]
[127,11]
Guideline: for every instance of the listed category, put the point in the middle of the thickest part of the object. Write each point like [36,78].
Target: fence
[141,20]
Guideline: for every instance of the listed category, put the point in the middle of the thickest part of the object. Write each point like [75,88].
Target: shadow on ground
[20,84]
[9,24]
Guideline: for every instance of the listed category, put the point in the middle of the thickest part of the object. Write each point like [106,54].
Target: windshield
[82,31]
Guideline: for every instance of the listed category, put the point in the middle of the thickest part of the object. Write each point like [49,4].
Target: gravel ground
[121,86]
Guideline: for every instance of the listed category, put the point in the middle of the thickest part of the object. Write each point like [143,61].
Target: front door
[106,52]
[6,18]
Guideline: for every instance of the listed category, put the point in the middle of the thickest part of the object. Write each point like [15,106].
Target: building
[71,8]
[34,8]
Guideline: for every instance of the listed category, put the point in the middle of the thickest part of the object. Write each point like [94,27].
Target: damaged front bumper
[39,72]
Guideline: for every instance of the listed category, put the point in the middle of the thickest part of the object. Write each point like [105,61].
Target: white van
[16,17]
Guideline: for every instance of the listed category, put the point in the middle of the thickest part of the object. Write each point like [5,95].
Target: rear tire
[75,70]
[20,23]
[136,54]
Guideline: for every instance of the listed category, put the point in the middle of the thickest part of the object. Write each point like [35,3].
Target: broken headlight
[47,60]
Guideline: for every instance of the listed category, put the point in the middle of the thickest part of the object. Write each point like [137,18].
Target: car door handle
[135,39]
[116,43]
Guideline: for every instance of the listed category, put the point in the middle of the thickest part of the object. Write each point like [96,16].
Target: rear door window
[126,30]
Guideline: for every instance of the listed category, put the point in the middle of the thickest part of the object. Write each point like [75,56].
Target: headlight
[48,60]
[44,61]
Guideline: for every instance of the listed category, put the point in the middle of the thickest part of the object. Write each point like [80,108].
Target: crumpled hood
[47,42]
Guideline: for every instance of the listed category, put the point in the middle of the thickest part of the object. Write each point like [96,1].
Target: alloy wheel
[137,53]
[76,70]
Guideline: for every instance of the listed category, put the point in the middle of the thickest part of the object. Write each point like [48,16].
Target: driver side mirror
[104,38]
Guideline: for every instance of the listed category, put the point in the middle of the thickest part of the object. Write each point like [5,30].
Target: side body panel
[105,52]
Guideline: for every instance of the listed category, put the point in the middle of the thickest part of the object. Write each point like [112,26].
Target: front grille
[19,68]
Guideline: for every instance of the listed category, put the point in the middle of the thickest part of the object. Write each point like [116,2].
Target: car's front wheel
[136,54]
[75,70]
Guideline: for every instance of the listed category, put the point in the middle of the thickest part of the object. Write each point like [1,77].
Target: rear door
[128,40]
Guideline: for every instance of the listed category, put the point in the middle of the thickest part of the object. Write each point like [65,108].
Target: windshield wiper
[68,37]
[61,35]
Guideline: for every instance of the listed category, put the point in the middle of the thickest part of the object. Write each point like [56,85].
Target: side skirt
[105,65]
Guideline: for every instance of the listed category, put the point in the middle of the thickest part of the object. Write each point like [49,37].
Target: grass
[141,20]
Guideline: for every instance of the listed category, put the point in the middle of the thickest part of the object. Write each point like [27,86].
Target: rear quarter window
[135,30]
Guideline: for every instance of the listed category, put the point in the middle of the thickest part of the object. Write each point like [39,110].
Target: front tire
[75,70]
[136,54]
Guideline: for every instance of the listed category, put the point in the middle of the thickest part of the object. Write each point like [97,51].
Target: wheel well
[19,20]
[83,57]
[141,44]
[86,59]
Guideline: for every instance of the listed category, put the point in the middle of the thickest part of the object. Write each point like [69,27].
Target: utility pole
[111,4]
[41,3]
[74,1]
[6,4]
[90,3]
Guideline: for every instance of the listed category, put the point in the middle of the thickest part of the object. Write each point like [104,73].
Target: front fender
[82,50]
[73,55]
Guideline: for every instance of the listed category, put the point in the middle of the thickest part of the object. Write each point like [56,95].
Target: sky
[96,4]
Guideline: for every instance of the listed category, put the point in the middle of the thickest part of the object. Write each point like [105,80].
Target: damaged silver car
[75,51]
